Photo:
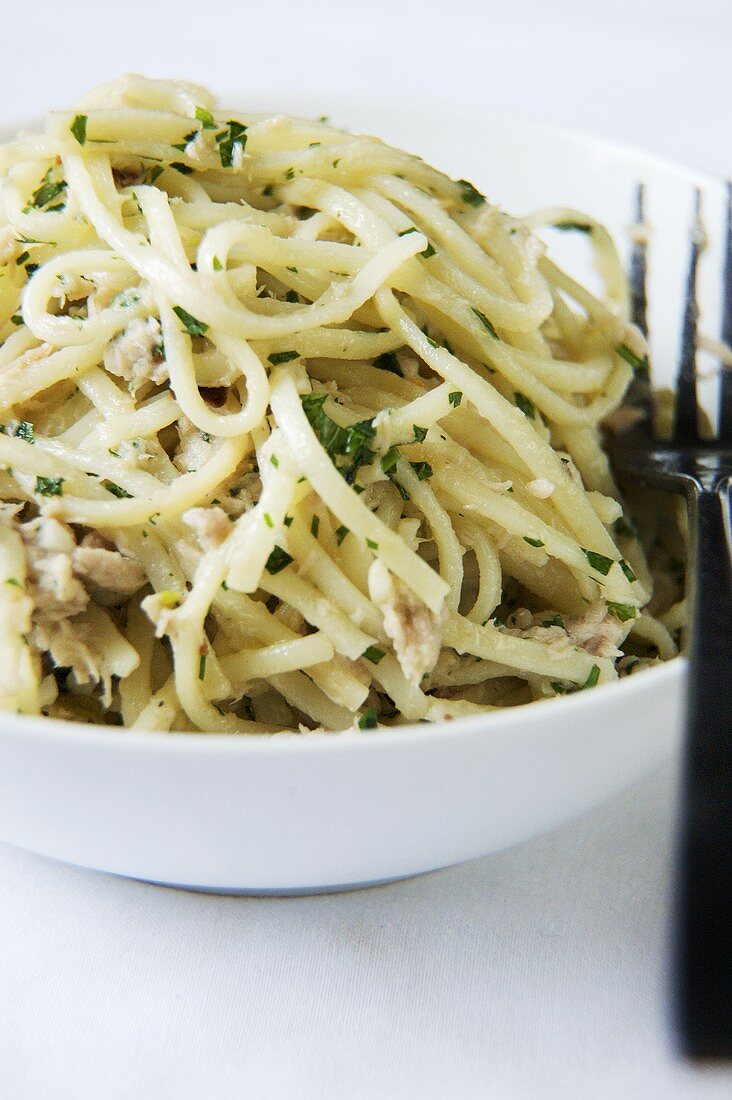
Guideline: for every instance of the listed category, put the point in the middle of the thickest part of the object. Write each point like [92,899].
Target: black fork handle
[704,901]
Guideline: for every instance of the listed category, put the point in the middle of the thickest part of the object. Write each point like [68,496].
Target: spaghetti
[297,432]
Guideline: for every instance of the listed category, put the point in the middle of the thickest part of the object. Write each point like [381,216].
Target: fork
[700,469]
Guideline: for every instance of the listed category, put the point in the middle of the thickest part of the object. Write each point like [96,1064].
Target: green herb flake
[388,361]
[202,666]
[23,429]
[290,174]
[629,574]
[533,542]
[288,521]
[48,190]
[578,227]
[216,264]
[559,688]
[372,545]
[487,325]
[341,533]
[314,526]
[368,720]
[22,258]
[593,677]
[432,343]
[205,118]
[17,319]
[598,561]
[556,620]
[639,365]
[527,407]
[278,560]
[455,398]
[419,433]
[349,443]
[470,195]
[192,325]
[278,357]
[373,654]
[14,581]
[292,296]
[184,169]
[390,459]
[429,251]
[268,519]
[116,490]
[274,460]
[423,470]
[621,611]
[233,134]
[50,486]
[78,128]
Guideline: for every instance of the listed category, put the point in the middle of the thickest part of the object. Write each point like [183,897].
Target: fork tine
[638,261]
[685,417]
[725,391]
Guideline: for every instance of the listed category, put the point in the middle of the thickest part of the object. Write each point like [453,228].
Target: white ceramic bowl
[292,814]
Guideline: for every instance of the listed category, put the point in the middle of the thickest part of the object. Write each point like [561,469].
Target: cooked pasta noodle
[297,432]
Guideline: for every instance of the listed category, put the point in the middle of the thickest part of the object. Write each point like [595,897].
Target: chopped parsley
[621,611]
[640,366]
[349,443]
[268,519]
[49,190]
[388,361]
[290,174]
[533,542]
[274,460]
[598,561]
[527,407]
[579,227]
[78,128]
[455,398]
[116,490]
[292,296]
[368,721]
[373,654]
[235,133]
[470,195]
[14,581]
[278,357]
[315,526]
[559,688]
[419,433]
[372,545]
[17,319]
[21,429]
[487,325]
[593,677]
[629,574]
[429,251]
[341,533]
[202,666]
[278,560]
[390,459]
[192,325]
[216,264]
[205,118]
[184,169]
[50,486]
[423,470]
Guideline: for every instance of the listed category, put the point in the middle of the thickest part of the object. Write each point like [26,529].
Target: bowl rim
[40,727]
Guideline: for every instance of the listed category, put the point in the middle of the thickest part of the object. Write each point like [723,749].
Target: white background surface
[541,972]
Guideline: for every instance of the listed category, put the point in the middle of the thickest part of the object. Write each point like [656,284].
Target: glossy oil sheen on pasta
[297,432]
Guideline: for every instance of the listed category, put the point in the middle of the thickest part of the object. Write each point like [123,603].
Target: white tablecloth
[539,972]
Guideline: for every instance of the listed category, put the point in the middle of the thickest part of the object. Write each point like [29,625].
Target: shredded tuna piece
[90,646]
[597,632]
[413,629]
[136,354]
[108,569]
[211,525]
[194,448]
